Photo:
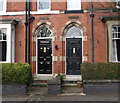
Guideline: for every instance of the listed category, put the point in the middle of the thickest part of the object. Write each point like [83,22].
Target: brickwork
[58,24]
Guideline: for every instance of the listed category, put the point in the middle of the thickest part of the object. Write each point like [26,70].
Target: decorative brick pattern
[84,58]
[62,38]
[84,38]
[34,39]
[55,58]
[62,58]
[33,58]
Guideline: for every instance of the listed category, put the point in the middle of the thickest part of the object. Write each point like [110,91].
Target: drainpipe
[92,38]
[26,24]
[28,31]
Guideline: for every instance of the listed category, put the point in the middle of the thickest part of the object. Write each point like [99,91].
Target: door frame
[37,55]
[80,37]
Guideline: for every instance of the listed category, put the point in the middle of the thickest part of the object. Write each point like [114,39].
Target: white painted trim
[73,77]
[45,12]
[32,12]
[9,43]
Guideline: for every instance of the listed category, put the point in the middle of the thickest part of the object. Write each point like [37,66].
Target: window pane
[118,50]
[73,31]
[114,29]
[44,32]
[74,4]
[3,50]
[4,36]
[43,4]
[118,29]
[114,50]
[1,5]
[114,35]
[0,37]
[118,35]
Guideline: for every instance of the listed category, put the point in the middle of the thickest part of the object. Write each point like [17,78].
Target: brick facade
[58,24]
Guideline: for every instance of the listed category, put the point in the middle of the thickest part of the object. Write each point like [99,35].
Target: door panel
[73,55]
[44,56]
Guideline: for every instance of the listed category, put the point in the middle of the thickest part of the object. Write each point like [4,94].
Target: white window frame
[10,42]
[115,39]
[49,9]
[75,8]
[4,6]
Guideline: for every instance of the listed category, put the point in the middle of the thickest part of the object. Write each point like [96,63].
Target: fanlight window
[73,31]
[44,32]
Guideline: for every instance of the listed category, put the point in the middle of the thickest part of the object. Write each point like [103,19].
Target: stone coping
[102,81]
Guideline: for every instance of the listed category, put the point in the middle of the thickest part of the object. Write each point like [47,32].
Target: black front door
[73,55]
[44,56]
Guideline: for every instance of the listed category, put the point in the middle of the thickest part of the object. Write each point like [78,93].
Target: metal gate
[73,55]
[44,56]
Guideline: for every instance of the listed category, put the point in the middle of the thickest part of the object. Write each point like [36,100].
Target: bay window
[115,43]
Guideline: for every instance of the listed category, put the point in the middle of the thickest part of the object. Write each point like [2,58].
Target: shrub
[100,71]
[16,73]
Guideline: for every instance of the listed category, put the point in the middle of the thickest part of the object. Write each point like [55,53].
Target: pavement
[68,94]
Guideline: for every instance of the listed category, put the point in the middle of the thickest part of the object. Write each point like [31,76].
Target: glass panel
[73,31]
[0,37]
[118,50]
[114,50]
[118,35]
[114,35]
[118,29]
[44,32]
[114,29]
[0,34]
[3,50]
[1,5]
[74,4]
[3,34]
[43,4]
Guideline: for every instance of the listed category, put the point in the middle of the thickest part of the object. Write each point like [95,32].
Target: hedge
[100,71]
[16,73]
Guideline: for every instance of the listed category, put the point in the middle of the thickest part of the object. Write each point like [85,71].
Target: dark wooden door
[73,55]
[44,56]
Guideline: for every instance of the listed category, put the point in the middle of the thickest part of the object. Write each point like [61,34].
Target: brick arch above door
[46,24]
[73,23]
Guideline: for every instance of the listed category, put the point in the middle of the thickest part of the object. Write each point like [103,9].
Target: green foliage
[16,73]
[100,71]
[61,77]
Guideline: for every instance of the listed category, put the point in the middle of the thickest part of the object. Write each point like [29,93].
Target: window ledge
[32,12]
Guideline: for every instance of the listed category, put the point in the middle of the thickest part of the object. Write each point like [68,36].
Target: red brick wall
[58,21]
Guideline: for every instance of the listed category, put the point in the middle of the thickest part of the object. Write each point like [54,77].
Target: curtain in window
[114,51]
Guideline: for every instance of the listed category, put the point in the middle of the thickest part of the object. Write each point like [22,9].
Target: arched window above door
[73,31]
[44,32]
